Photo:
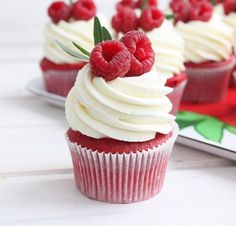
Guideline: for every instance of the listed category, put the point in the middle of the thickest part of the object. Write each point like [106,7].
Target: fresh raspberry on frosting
[201,10]
[229,6]
[151,18]
[125,20]
[59,10]
[125,3]
[186,11]
[143,56]
[83,10]
[181,10]
[110,59]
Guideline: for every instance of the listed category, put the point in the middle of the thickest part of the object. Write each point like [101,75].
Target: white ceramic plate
[37,87]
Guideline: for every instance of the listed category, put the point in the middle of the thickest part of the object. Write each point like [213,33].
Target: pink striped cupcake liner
[59,82]
[208,84]
[176,96]
[121,178]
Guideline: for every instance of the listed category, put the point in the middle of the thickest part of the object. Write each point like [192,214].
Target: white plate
[37,87]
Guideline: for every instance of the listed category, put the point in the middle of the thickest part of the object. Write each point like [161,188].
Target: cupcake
[69,22]
[167,44]
[227,9]
[120,131]
[208,50]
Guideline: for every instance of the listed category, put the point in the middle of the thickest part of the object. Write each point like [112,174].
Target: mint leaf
[144,4]
[72,52]
[97,31]
[211,128]
[170,16]
[231,129]
[213,2]
[190,116]
[106,34]
[84,51]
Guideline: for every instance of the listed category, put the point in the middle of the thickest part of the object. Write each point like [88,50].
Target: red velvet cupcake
[59,78]
[211,78]
[120,131]
[168,45]
[69,23]
[208,52]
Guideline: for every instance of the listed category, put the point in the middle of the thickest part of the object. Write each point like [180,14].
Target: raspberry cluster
[191,10]
[79,10]
[126,20]
[229,6]
[131,56]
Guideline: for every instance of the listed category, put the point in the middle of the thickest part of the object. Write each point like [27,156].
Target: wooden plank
[43,150]
[190,197]
[16,76]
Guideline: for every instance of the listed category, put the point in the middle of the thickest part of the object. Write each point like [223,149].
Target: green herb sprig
[100,34]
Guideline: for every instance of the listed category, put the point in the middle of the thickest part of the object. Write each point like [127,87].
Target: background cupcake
[69,23]
[121,133]
[167,44]
[208,50]
[227,9]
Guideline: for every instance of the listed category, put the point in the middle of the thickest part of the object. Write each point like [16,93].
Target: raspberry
[59,11]
[125,20]
[201,10]
[125,3]
[151,18]
[143,56]
[152,3]
[110,59]
[181,10]
[83,10]
[229,6]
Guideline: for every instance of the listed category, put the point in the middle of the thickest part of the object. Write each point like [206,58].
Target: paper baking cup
[176,96]
[233,79]
[59,82]
[207,84]
[121,178]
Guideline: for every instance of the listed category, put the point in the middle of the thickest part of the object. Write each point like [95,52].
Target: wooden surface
[36,180]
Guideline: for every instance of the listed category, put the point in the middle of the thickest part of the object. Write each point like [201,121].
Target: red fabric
[109,145]
[224,110]
[176,80]
[46,65]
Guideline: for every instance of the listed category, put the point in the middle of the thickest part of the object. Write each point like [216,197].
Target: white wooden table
[36,180]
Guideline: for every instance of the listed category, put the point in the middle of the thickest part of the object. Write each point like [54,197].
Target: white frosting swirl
[169,49]
[80,32]
[129,109]
[206,41]
[229,19]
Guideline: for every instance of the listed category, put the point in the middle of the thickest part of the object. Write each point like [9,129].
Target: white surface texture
[36,181]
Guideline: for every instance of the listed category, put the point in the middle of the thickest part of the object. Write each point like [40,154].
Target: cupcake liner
[176,96]
[59,82]
[233,79]
[208,84]
[121,178]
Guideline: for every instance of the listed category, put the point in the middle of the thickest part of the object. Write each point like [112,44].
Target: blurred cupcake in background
[69,22]
[208,50]
[227,9]
[167,44]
